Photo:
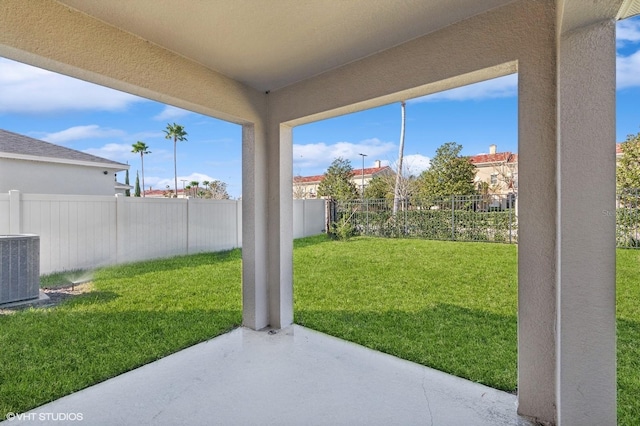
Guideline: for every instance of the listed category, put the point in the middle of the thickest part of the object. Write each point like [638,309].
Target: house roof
[14,145]
[370,172]
[160,192]
[498,157]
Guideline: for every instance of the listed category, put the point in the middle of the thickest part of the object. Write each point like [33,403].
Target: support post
[586,321]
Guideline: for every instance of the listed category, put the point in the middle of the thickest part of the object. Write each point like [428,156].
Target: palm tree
[195,185]
[142,149]
[206,193]
[176,132]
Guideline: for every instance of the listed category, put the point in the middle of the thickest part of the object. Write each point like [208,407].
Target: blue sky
[106,122]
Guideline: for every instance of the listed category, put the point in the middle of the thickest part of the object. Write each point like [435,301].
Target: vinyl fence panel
[85,232]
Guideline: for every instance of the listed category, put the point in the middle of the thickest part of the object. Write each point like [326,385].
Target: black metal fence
[462,218]
[627,219]
[488,218]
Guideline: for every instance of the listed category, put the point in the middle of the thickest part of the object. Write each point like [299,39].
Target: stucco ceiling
[271,44]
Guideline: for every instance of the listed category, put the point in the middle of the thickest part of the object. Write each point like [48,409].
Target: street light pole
[363,155]
[183,181]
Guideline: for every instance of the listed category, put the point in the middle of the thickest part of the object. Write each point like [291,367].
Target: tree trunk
[396,190]
[175,168]
[142,162]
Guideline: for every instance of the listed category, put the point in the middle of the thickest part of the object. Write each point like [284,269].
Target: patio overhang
[270,66]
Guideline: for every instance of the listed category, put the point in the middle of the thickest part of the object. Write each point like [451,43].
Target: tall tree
[142,149]
[396,190]
[127,192]
[628,170]
[217,190]
[136,192]
[448,174]
[195,185]
[378,188]
[177,133]
[337,182]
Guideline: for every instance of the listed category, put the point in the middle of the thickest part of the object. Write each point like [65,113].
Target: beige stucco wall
[37,177]
[501,171]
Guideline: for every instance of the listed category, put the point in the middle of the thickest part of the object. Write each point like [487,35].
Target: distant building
[37,167]
[163,193]
[499,170]
[307,186]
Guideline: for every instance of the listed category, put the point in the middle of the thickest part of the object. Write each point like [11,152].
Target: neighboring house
[498,169]
[307,186]
[34,166]
[162,193]
[121,188]
[619,152]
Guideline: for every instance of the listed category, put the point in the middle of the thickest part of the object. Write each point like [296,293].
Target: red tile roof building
[499,170]
[307,186]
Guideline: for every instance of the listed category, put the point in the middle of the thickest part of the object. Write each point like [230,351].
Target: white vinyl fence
[78,232]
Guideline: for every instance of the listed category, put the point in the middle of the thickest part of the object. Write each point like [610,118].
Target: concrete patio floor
[294,376]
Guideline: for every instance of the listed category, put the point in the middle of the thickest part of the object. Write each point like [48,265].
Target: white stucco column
[280,225]
[255,294]
[537,210]
[586,322]
[267,216]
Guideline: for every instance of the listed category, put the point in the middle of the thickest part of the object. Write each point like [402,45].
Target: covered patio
[271,66]
[291,376]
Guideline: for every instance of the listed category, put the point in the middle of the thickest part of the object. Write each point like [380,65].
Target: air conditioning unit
[19,267]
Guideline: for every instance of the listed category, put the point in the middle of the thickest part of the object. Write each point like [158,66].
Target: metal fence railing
[488,218]
[458,217]
[628,219]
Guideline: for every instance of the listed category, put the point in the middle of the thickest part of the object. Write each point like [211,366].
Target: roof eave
[114,166]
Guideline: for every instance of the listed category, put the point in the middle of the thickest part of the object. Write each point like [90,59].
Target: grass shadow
[310,241]
[477,345]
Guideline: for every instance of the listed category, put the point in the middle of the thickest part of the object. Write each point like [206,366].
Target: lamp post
[363,155]
[183,181]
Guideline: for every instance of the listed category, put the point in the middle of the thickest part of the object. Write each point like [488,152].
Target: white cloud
[502,87]
[30,90]
[416,163]
[113,151]
[91,131]
[171,113]
[628,30]
[321,155]
[412,164]
[628,70]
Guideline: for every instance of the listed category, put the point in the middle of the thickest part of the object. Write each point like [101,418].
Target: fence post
[405,207]
[15,227]
[238,223]
[453,219]
[188,225]
[367,207]
[304,217]
[510,224]
[121,228]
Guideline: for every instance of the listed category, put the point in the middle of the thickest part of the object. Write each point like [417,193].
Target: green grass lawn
[136,314]
[449,305]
